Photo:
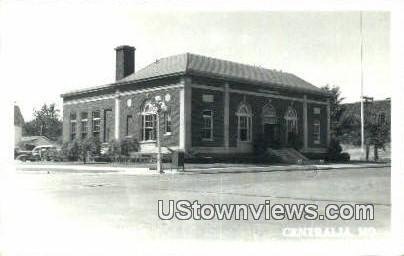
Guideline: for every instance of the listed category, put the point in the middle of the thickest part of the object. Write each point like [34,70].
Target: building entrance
[271,135]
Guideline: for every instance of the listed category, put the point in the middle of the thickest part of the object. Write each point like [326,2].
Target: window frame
[83,123]
[147,111]
[73,126]
[96,123]
[129,118]
[317,132]
[167,123]
[204,128]
[292,118]
[244,112]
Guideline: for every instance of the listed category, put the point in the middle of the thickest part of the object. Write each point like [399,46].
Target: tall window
[148,122]
[73,126]
[291,120]
[244,123]
[84,124]
[129,122]
[316,132]
[207,126]
[167,122]
[269,114]
[96,123]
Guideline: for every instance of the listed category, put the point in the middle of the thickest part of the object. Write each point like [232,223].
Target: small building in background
[18,125]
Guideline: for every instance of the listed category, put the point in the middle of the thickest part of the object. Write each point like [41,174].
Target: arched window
[148,122]
[269,115]
[244,117]
[291,120]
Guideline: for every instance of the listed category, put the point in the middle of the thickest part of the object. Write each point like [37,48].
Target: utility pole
[362,99]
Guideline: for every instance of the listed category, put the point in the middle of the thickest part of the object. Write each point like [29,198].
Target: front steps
[288,155]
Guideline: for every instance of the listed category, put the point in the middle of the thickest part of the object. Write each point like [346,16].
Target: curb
[212,170]
[109,169]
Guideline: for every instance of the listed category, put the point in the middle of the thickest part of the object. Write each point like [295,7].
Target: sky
[51,47]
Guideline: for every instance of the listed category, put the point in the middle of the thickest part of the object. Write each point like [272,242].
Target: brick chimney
[125,61]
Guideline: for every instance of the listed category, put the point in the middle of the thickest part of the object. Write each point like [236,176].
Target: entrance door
[271,135]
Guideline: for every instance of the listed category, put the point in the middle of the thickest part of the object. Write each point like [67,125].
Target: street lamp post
[159,107]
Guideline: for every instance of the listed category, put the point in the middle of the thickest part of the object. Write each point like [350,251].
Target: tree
[336,108]
[377,131]
[45,122]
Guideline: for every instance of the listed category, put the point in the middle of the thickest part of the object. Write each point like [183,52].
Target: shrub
[73,150]
[89,147]
[51,155]
[129,145]
[344,157]
[335,152]
[334,148]
[114,150]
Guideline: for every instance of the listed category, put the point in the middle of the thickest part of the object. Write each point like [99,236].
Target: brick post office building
[214,106]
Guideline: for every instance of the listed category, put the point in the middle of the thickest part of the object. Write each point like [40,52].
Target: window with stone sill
[207,125]
[148,122]
[316,132]
[96,123]
[244,117]
[73,126]
[167,123]
[84,124]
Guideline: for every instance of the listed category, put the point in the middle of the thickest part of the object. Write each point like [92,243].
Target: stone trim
[207,87]
[117,115]
[226,115]
[126,93]
[305,124]
[188,113]
[276,96]
[182,120]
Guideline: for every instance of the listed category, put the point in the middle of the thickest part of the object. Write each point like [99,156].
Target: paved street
[122,209]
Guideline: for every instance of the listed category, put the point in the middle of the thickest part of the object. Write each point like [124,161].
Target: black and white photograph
[186,128]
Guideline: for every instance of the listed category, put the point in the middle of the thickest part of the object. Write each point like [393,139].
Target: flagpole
[362,110]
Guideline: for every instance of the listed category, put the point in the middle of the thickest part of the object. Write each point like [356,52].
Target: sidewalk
[274,168]
[192,168]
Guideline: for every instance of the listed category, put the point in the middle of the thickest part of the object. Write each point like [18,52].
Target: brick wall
[100,105]
[198,106]
[134,110]
[256,104]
